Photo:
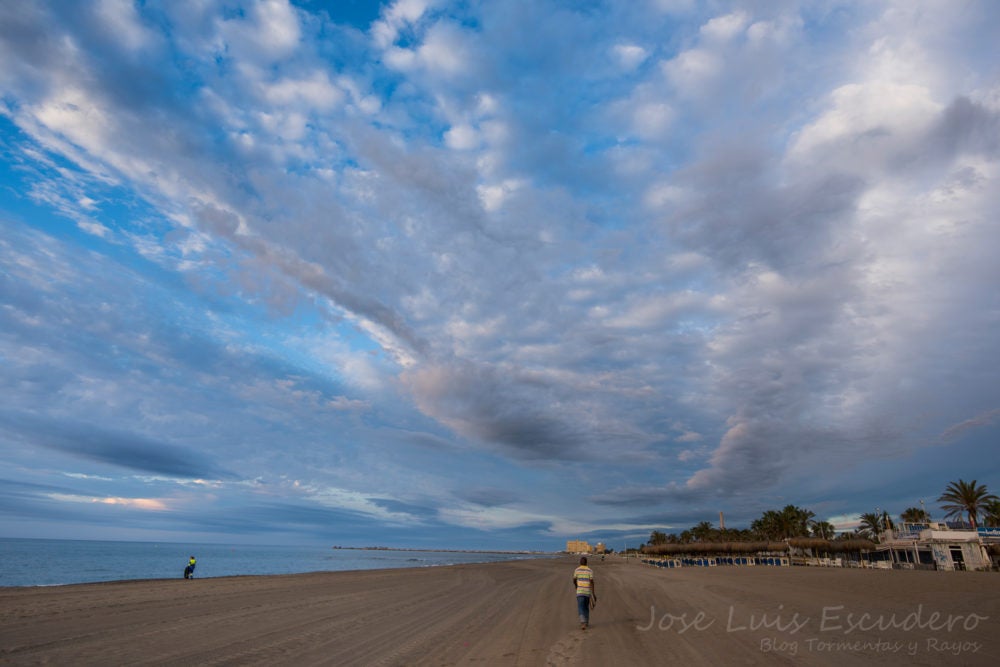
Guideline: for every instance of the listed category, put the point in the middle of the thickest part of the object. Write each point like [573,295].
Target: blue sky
[492,274]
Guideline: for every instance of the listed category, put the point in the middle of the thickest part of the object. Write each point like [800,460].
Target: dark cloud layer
[97,444]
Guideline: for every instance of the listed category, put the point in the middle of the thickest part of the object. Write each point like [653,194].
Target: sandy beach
[513,613]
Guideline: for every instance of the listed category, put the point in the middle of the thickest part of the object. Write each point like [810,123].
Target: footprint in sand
[565,650]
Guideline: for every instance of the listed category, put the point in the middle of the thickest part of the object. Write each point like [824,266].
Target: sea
[35,562]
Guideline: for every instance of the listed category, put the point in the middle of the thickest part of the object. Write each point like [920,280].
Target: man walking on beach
[586,591]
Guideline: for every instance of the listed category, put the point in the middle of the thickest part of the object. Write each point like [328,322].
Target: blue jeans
[583,606]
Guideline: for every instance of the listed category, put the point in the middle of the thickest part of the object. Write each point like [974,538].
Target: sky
[493,274]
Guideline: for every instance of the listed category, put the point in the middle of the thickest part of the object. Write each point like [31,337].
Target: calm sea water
[28,562]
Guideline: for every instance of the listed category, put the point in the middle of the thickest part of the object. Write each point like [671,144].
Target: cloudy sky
[492,274]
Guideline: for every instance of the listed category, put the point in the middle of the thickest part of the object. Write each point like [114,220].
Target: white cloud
[315,91]
[444,51]
[493,196]
[80,475]
[724,28]
[148,504]
[778,33]
[94,228]
[652,120]
[629,56]
[403,60]
[461,138]
[151,504]
[74,114]
[692,70]
[658,310]
[354,501]
[270,32]
[488,518]
[867,123]
[394,18]
[122,20]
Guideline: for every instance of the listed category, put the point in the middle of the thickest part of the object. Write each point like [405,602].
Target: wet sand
[514,613]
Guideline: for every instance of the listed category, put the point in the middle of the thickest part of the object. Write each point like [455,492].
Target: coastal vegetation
[798,527]
[992,509]
[967,497]
[914,515]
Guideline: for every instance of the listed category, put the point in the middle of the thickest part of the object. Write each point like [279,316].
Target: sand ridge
[513,613]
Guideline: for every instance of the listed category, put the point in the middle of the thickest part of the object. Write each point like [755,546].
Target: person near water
[189,570]
[586,591]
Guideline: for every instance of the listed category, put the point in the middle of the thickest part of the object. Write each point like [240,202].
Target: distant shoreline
[57,562]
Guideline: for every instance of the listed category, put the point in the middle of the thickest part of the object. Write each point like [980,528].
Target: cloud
[488,497]
[775,430]
[981,420]
[396,17]
[147,504]
[344,403]
[693,69]
[524,413]
[629,56]
[33,502]
[125,450]
[531,244]
[725,27]
[641,495]
[867,123]
[270,30]
[123,21]
[492,518]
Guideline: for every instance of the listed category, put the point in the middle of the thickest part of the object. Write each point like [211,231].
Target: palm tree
[791,521]
[797,520]
[968,497]
[702,532]
[914,515]
[991,513]
[768,526]
[871,525]
[856,534]
[657,537]
[823,530]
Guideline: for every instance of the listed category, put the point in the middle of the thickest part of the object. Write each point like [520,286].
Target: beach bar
[936,546]
[926,546]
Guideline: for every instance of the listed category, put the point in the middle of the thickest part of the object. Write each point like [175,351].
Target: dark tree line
[781,524]
[960,499]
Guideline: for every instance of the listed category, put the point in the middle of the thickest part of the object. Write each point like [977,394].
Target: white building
[934,546]
[991,540]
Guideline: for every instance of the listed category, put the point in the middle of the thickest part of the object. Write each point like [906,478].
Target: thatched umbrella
[831,546]
[714,548]
[717,548]
[852,546]
[815,543]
